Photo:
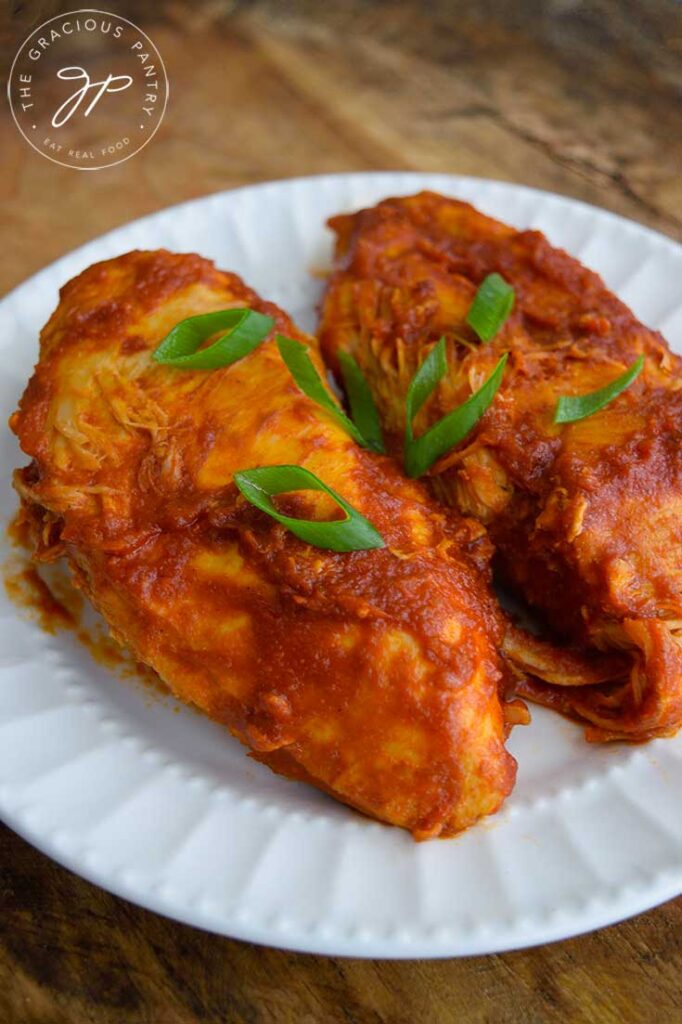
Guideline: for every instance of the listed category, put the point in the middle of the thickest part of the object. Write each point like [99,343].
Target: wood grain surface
[579,98]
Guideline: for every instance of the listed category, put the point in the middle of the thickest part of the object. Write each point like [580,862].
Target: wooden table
[573,98]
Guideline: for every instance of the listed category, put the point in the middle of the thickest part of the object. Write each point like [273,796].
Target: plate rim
[342,945]
[653,234]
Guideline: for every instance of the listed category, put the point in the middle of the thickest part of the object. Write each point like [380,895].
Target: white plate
[165,809]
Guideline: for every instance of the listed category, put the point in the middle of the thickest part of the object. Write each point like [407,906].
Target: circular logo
[88,89]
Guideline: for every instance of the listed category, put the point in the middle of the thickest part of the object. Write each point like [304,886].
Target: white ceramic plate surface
[164,808]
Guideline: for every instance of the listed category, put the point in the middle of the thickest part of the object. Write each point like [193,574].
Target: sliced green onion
[362,406]
[420,453]
[300,365]
[493,302]
[570,408]
[245,330]
[352,533]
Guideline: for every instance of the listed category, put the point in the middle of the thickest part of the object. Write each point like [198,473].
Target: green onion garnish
[352,533]
[245,330]
[420,453]
[295,355]
[493,302]
[570,408]
[362,407]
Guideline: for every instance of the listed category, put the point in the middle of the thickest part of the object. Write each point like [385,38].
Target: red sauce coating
[586,518]
[373,674]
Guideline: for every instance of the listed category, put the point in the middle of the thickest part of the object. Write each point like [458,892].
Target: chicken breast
[371,674]
[586,517]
